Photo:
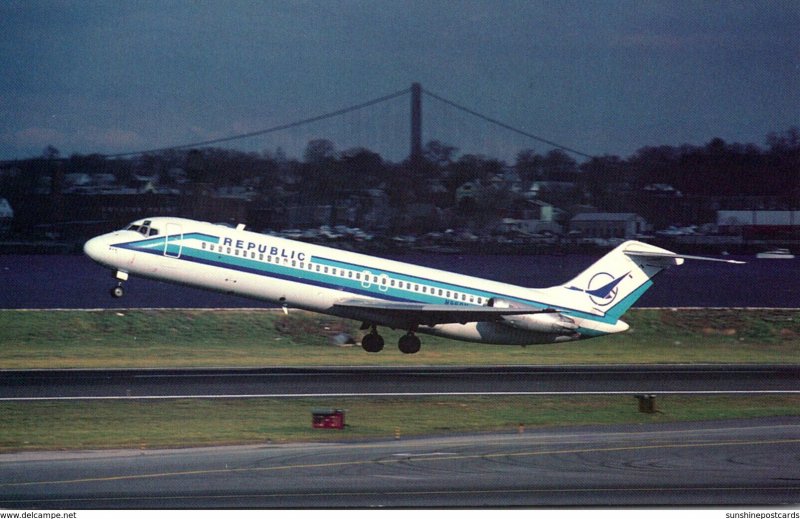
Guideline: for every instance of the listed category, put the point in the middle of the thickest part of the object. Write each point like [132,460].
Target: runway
[742,462]
[418,381]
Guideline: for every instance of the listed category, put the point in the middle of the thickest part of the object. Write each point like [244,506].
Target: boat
[775,254]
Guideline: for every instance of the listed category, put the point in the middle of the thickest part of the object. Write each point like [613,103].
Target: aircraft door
[366,282]
[173,243]
[383,282]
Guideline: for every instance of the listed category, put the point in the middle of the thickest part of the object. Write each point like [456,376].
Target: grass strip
[248,338]
[191,423]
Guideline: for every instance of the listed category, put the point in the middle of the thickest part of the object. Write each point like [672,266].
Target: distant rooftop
[605,217]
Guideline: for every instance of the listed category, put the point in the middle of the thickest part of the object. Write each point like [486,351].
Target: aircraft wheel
[117,291]
[409,343]
[372,343]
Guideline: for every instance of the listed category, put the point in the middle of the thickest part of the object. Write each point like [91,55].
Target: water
[74,281]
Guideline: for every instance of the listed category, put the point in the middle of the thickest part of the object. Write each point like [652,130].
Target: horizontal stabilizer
[617,280]
[673,255]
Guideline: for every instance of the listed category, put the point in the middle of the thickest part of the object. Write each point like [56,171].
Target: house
[608,225]
[469,193]
[549,186]
[536,217]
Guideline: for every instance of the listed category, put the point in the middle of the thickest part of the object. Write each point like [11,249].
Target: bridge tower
[416,123]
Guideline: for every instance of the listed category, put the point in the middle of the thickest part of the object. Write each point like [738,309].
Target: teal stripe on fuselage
[352,285]
[415,280]
[611,317]
[158,241]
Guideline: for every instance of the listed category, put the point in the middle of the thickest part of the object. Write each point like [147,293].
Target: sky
[599,76]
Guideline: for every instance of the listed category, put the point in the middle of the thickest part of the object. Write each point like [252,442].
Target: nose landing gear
[118,291]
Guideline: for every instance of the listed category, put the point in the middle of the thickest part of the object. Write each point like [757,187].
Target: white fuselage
[313,277]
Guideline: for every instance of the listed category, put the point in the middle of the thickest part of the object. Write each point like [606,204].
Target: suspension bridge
[393,125]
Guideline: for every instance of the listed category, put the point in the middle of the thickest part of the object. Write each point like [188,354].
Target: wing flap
[408,315]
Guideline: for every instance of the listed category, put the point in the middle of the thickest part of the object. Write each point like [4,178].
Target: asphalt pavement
[314,382]
[742,462]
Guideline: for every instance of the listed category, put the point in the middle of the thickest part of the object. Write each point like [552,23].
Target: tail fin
[617,280]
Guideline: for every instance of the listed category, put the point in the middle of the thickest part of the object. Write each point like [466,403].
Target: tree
[529,165]
[438,153]
[361,168]
[319,151]
[599,175]
[559,166]
[50,152]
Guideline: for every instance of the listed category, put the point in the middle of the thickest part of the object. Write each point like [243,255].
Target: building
[759,224]
[537,217]
[608,225]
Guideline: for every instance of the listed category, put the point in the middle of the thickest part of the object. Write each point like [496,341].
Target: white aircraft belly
[490,333]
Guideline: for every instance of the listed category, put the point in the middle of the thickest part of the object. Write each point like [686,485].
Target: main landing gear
[373,342]
[409,343]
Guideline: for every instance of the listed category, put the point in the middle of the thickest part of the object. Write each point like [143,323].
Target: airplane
[383,292]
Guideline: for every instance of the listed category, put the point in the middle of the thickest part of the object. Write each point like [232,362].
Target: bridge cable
[287,126]
[506,126]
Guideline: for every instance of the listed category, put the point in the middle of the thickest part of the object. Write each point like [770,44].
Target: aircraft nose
[95,248]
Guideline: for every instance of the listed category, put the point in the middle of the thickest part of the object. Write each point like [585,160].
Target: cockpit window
[144,229]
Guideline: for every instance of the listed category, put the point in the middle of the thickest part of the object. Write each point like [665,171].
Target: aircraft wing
[407,315]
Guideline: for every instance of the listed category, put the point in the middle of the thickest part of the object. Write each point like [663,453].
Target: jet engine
[549,322]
